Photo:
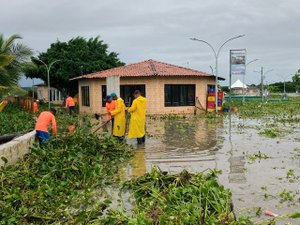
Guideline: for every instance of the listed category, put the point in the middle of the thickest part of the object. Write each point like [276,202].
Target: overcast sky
[161,30]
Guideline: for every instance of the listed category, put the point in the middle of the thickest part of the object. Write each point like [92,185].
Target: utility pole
[254,60]
[262,83]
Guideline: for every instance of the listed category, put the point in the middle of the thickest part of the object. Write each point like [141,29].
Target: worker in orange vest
[43,122]
[110,105]
[35,106]
[70,104]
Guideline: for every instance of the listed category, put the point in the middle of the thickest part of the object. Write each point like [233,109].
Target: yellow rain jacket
[138,118]
[119,118]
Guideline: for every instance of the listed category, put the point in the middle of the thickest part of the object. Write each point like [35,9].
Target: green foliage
[61,182]
[278,87]
[286,110]
[225,89]
[184,198]
[12,57]
[252,157]
[12,90]
[13,120]
[77,56]
[296,80]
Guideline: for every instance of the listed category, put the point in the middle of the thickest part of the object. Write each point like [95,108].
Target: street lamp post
[216,54]
[263,74]
[284,80]
[48,76]
[254,60]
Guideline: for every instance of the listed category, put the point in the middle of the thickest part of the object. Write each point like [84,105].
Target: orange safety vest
[44,121]
[35,107]
[70,102]
[110,107]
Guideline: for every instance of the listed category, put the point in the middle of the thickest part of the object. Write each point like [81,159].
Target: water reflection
[175,145]
[237,162]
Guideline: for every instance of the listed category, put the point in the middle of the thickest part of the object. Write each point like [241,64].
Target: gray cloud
[143,29]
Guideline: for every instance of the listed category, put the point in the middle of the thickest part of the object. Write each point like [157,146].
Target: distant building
[238,87]
[168,88]
[253,90]
[56,97]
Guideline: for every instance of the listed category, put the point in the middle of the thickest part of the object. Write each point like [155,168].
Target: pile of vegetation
[63,181]
[183,198]
[13,119]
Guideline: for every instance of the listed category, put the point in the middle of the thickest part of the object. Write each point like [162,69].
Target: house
[238,87]
[56,97]
[253,90]
[168,88]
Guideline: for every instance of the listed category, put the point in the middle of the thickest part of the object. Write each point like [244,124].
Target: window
[55,95]
[126,93]
[104,94]
[85,95]
[179,95]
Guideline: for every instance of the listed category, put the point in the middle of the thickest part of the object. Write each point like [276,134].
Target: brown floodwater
[200,144]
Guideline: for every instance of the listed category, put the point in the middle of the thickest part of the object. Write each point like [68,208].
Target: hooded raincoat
[119,118]
[138,118]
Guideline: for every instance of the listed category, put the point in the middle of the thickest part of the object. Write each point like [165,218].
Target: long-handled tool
[98,115]
[127,120]
[102,125]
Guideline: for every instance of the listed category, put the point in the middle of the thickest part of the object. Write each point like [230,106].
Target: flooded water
[196,145]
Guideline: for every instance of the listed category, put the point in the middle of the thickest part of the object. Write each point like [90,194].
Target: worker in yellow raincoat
[138,118]
[119,116]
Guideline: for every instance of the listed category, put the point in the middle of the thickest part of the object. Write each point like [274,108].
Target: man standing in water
[138,118]
[45,119]
[119,117]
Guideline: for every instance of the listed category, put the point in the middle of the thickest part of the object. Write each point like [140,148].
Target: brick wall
[154,92]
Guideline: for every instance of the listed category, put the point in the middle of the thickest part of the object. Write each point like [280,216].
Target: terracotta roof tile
[145,69]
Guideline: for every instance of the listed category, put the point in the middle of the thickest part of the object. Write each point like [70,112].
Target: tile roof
[146,69]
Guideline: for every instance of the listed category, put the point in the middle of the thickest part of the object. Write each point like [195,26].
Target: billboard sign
[238,62]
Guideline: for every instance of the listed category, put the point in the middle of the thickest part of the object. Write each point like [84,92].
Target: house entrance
[126,93]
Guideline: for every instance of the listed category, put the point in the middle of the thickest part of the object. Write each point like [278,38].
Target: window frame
[177,95]
[85,100]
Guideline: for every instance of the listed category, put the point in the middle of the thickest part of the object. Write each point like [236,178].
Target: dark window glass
[85,95]
[126,93]
[179,95]
[104,94]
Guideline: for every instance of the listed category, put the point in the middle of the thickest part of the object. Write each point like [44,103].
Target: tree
[78,56]
[12,57]
[296,80]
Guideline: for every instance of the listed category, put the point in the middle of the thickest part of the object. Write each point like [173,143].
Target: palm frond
[8,44]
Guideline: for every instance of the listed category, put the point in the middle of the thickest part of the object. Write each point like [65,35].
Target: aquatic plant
[252,157]
[184,198]
[15,120]
[60,183]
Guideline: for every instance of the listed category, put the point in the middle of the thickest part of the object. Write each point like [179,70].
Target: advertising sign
[238,61]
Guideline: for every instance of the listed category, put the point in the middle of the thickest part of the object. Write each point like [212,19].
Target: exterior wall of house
[238,91]
[253,92]
[42,94]
[154,87]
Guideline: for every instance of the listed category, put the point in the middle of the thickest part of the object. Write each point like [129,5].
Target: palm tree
[12,57]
